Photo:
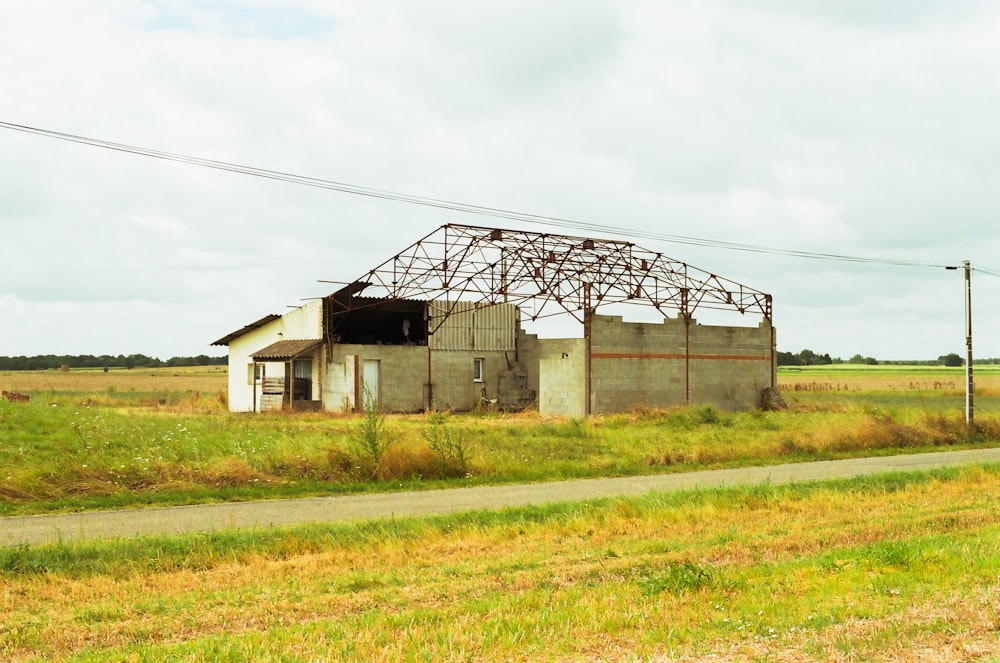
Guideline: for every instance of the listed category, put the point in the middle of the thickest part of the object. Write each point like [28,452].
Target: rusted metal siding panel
[471,327]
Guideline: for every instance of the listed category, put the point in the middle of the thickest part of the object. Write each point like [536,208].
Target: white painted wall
[304,322]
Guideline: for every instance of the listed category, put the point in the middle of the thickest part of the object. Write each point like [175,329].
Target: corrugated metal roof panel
[286,350]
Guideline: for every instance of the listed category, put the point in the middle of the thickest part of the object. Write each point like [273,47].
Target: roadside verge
[45,529]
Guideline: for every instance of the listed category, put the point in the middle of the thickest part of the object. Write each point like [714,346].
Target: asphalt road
[37,530]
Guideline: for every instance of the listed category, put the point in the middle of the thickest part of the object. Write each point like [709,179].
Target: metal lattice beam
[559,273]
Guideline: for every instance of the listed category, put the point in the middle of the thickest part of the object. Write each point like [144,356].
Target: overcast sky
[857,127]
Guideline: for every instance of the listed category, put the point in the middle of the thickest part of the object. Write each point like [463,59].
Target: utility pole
[969,389]
[969,418]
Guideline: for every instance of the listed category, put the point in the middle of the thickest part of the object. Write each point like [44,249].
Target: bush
[372,440]
[450,446]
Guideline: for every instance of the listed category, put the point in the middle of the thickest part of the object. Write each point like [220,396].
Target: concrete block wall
[403,377]
[730,365]
[663,365]
[528,355]
[452,377]
[529,351]
[562,382]
[635,365]
[632,365]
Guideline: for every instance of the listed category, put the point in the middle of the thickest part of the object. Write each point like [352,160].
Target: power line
[461,207]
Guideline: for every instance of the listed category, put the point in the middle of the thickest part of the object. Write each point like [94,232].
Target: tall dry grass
[204,379]
[119,446]
[915,380]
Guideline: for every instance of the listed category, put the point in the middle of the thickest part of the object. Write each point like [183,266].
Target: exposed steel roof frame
[495,266]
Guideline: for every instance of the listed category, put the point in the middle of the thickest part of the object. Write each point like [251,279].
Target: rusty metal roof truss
[559,274]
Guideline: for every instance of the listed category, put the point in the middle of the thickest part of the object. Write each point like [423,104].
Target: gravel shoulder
[46,529]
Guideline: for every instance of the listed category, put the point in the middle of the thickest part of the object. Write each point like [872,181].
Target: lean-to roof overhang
[286,350]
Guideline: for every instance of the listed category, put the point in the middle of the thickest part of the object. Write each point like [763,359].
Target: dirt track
[35,530]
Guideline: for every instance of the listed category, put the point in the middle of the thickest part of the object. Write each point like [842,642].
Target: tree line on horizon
[810,358]
[43,362]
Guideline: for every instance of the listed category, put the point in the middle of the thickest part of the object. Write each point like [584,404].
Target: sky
[859,128]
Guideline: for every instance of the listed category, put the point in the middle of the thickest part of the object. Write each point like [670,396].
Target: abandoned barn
[440,326]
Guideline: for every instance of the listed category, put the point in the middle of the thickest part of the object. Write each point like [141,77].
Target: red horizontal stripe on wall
[653,355]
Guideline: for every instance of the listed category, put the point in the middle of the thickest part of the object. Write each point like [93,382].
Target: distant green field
[895,389]
[886,370]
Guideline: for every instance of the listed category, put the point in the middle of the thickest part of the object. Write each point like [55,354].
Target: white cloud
[849,128]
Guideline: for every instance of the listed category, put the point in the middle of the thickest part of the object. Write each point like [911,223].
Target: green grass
[204,551]
[885,568]
[140,440]
[78,456]
[900,567]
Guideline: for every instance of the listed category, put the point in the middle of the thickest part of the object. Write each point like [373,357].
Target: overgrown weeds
[372,440]
[57,453]
[679,578]
[451,445]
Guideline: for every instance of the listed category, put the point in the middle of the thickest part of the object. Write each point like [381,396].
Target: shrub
[372,440]
[451,446]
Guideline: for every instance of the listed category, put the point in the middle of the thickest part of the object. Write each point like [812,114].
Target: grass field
[89,439]
[149,380]
[905,568]
[901,568]
[884,378]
